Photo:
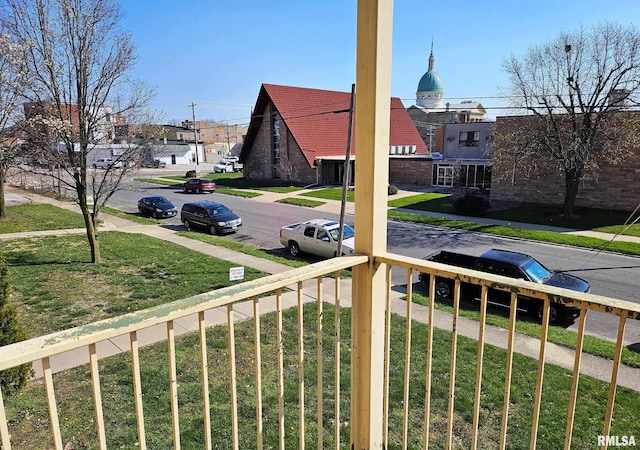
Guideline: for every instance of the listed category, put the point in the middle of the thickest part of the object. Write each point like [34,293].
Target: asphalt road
[610,275]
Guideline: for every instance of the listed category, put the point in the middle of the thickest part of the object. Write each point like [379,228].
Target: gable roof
[318,119]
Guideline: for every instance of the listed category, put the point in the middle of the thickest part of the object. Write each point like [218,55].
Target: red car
[199,185]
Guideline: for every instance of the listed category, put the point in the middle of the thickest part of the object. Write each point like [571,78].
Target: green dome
[430,82]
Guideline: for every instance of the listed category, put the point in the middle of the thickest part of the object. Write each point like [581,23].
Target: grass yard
[425,202]
[25,410]
[330,194]
[57,287]
[38,217]
[301,202]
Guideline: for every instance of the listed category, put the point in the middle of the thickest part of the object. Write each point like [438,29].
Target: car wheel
[443,289]
[294,249]
[95,167]
[213,230]
[554,313]
[156,215]
[184,189]
[198,191]
[187,225]
[140,211]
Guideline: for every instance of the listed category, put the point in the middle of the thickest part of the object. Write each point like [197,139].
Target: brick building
[300,135]
[612,187]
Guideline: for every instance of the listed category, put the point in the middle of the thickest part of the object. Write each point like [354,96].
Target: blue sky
[218,53]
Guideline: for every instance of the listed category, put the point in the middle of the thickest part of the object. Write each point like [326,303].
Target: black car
[213,217]
[157,207]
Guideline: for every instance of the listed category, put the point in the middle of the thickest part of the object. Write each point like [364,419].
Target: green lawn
[330,194]
[425,202]
[56,287]
[301,202]
[38,217]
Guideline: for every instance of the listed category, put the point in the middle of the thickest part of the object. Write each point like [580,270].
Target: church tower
[430,92]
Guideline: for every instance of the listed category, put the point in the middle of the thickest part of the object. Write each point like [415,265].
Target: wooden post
[373,91]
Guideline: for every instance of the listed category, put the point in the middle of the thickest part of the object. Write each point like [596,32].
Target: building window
[275,144]
[469,139]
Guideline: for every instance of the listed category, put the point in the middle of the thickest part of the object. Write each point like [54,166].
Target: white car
[104,163]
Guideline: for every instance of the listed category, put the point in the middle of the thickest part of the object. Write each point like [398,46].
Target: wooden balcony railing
[433,379]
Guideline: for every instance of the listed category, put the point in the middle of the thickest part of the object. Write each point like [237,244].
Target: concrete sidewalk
[554,354]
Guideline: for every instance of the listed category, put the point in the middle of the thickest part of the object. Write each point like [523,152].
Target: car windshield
[219,210]
[158,200]
[536,271]
[346,233]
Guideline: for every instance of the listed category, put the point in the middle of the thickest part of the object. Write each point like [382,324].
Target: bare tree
[577,90]
[11,81]
[78,63]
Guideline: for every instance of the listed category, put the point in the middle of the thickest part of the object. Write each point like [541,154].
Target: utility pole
[346,174]
[228,143]
[195,133]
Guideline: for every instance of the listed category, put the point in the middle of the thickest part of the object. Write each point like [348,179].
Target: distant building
[612,187]
[300,135]
[218,138]
[104,131]
[458,136]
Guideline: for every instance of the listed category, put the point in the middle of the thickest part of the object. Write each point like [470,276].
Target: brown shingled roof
[317,119]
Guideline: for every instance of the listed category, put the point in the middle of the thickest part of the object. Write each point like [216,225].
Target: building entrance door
[444,176]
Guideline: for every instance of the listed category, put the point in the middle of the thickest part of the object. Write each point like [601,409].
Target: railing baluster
[280,369]
[301,408]
[576,376]
[204,380]
[173,384]
[337,359]
[387,351]
[97,396]
[427,384]
[4,429]
[320,368]
[543,346]
[258,369]
[233,378]
[476,402]
[137,389]
[407,362]
[51,402]
[614,375]
[452,370]
[508,370]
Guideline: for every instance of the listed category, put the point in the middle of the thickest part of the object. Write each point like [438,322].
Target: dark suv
[211,216]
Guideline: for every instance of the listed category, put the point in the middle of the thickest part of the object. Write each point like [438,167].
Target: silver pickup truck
[317,237]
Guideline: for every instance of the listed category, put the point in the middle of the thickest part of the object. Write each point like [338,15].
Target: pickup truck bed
[512,265]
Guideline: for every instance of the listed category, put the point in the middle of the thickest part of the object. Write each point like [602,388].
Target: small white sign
[236,273]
